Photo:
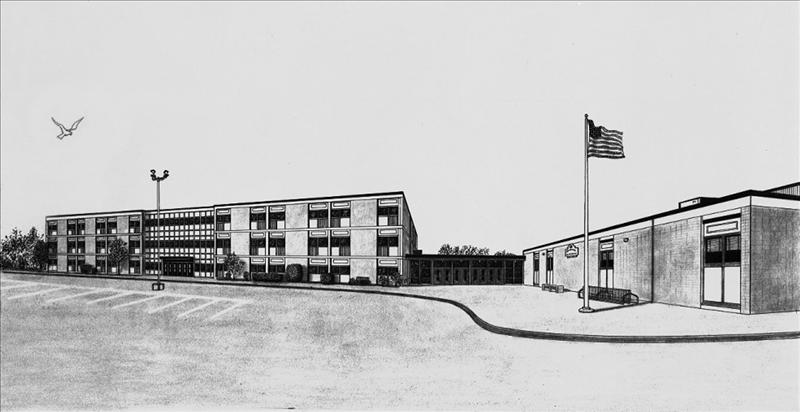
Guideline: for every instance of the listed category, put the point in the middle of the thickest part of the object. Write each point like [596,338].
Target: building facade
[358,235]
[738,253]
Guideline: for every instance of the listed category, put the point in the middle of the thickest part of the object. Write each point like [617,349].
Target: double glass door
[722,270]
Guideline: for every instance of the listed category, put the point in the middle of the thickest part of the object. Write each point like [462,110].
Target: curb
[500,330]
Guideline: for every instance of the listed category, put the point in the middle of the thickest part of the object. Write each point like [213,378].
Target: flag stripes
[604,143]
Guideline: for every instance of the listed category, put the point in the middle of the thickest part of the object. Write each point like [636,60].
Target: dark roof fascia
[304,199]
[718,200]
[463,257]
[783,187]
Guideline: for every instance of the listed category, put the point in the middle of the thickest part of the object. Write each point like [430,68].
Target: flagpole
[585,308]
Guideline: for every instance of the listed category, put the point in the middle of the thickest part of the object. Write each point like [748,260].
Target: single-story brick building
[739,253]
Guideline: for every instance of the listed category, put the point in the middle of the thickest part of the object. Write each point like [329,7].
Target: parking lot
[77,343]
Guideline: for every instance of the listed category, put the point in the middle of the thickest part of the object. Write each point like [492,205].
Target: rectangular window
[72,245]
[111,226]
[135,226]
[101,264]
[71,227]
[318,218]
[340,218]
[223,246]
[258,246]
[733,253]
[81,245]
[317,246]
[52,247]
[277,220]
[81,227]
[135,246]
[536,262]
[135,267]
[100,227]
[388,245]
[387,216]
[258,220]
[341,273]
[52,264]
[277,247]
[100,245]
[52,228]
[315,272]
[340,246]
[277,268]
[713,253]
[223,222]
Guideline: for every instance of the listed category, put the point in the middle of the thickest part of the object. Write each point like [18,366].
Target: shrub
[294,273]
[360,280]
[327,278]
[88,269]
[267,277]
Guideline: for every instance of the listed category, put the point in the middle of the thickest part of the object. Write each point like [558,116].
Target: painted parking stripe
[224,311]
[118,295]
[197,308]
[18,286]
[138,301]
[40,292]
[168,305]
[91,292]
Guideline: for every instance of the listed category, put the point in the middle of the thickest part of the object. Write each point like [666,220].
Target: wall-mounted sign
[571,251]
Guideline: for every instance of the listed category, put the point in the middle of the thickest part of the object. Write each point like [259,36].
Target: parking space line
[198,308]
[39,292]
[138,301]
[18,286]
[226,310]
[93,291]
[168,305]
[118,295]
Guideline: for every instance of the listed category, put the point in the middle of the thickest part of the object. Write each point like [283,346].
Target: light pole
[158,285]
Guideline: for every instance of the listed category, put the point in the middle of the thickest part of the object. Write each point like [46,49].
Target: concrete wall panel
[90,226]
[90,245]
[240,243]
[297,217]
[122,225]
[61,245]
[297,243]
[62,263]
[364,267]
[240,218]
[363,242]
[364,212]
[62,227]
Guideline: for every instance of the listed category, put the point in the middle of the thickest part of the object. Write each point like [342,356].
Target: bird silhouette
[64,131]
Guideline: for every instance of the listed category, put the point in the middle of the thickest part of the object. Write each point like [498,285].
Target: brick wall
[775,260]
[632,262]
[678,261]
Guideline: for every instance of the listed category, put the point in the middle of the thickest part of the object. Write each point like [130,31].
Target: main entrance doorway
[722,271]
[178,266]
[605,275]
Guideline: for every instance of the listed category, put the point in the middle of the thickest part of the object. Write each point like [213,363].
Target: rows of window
[319,216]
[317,246]
[103,226]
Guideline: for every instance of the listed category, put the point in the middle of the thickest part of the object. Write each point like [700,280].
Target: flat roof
[710,202]
[301,199]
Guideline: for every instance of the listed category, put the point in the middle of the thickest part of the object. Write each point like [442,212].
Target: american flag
[604,142]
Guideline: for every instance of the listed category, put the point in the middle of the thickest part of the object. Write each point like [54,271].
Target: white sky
[475,110]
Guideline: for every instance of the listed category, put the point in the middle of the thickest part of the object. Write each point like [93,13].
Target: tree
[17,249]
[40,254]
[503,253]
[234,265]
[117,253]
[465,250]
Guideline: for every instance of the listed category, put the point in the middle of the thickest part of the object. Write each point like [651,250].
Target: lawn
[331,350]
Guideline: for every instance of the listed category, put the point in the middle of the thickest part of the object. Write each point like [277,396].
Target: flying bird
[64,131]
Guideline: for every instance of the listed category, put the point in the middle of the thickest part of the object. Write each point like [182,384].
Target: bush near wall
[88,269]
[360,280]
[294,273]
[268,277]
[327,278]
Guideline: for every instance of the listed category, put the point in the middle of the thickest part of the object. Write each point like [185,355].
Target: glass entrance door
[605,275]
[722,271]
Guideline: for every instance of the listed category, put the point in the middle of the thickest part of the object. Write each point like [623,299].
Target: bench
[611,295]
[549,287]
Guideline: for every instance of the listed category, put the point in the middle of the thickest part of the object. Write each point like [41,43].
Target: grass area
[315,349]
